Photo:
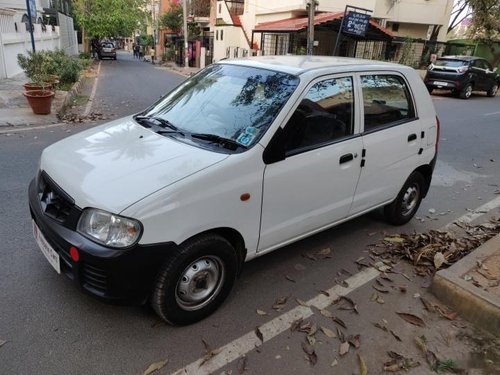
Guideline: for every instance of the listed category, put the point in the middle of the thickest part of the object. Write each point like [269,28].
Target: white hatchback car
[241,159]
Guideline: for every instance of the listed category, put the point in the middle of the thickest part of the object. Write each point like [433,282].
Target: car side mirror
[275,150]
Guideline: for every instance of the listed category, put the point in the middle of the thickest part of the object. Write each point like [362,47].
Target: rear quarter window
[386,100]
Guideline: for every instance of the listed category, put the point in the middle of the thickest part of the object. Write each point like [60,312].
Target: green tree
[109,18]
[172,19]
[486,25]
[199,8]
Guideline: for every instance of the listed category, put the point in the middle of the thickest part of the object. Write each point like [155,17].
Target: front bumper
[121,275]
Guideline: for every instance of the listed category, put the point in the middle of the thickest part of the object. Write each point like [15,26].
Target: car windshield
[451,63]
[231,102]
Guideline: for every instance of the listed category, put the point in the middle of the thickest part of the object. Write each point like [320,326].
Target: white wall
[13,43]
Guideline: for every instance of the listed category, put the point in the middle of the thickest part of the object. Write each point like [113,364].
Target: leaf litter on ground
[155,367]
[435,249]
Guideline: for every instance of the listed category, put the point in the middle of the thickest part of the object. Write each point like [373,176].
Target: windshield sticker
[248,136]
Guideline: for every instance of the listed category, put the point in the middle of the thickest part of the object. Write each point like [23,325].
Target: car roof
[460,57]
[298,64]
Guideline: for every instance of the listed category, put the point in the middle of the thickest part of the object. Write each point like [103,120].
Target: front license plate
[439,83]
[47,250]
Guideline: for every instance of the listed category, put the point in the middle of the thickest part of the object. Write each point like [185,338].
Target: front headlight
[109,229]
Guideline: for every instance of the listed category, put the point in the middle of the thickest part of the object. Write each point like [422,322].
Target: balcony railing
[236,7]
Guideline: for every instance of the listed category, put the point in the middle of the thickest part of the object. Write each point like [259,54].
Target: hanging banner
[356,23]
[32,9]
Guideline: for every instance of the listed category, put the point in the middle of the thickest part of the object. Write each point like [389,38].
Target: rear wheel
[406,204]
[493,90]
[466,92]
[195,280]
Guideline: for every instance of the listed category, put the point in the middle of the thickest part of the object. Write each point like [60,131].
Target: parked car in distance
[462,75]
[243,158]
[108,50]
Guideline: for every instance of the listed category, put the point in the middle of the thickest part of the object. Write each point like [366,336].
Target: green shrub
[84,55]
[38,65]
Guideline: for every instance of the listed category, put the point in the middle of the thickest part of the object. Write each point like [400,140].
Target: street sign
[32,9]
[356,23]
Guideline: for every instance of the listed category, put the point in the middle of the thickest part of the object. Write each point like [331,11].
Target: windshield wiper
[164,124]
[216,138]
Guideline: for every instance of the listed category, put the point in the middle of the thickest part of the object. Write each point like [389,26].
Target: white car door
[392,135]
[313,186]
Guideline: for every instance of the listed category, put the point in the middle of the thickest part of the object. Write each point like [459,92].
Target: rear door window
[386,101]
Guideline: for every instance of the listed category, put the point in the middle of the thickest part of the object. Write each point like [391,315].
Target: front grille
[54,201]
[94,277]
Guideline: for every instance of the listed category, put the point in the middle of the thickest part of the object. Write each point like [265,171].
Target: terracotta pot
[40,101]
[32,86]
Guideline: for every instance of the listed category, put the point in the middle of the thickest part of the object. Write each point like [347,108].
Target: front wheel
[493,90]
[466,92]
[195,280]
[406,204]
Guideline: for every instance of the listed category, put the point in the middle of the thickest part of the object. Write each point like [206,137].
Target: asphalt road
[51,328]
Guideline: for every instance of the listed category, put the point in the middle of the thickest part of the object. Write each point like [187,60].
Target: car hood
[117,164]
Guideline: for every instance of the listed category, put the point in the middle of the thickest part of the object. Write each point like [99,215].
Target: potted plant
[39,92]
[40,100]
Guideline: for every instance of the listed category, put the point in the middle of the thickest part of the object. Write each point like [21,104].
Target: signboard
[356,23]
[32,9]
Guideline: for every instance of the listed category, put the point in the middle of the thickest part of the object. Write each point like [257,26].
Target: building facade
[242,27]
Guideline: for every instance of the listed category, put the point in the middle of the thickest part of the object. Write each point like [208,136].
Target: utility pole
[184,11]
[311,8]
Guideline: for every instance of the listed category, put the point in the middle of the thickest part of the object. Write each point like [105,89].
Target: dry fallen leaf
[242,364]
[155,367]
[395,336]
[439,259]
[326,313]
[344,348]
[354,341]
[362,365]
[259,334]
[394,239]
[311,354]
[345,303]
[381,290]
[339,321]
[311,339]
[2,342]
[421,343]
[412,319]
[328,332]
[301,303]
[296,324]
[261,312]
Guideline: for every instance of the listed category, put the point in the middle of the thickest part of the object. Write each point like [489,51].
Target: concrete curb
[475,304]
[71,95]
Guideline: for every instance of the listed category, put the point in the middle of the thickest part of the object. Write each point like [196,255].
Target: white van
[243,158]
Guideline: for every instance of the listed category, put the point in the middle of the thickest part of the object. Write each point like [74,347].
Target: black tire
[402,209]
[493,90]
[210,260]
[466,92]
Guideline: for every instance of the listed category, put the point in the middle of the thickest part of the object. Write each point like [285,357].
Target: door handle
[412,137]
[345,158]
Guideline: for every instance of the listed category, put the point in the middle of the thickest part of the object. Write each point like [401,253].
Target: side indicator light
[75,255]
[244,197]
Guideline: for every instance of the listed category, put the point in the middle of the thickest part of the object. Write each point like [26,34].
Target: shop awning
[330,20]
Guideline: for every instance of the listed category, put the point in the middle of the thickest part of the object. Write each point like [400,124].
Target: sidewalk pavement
[14,107]
[472,286]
